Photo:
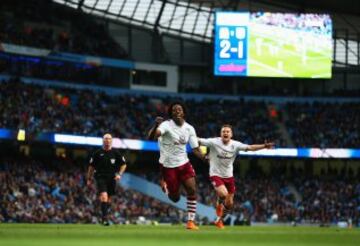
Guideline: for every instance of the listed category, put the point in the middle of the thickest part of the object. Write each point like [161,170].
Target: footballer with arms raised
[108,165]
[222,153]
[176,170]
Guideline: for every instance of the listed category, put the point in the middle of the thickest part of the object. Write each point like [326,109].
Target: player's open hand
[269,145]
[158,120]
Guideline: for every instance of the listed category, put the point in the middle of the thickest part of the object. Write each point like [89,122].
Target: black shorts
[106,184]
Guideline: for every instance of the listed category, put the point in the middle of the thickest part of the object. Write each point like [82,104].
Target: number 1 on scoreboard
[240,49]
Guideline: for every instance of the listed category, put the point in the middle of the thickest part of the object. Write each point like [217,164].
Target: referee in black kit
[108,165]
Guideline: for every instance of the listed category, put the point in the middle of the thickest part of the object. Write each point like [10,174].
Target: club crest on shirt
[182,140]
[112,161]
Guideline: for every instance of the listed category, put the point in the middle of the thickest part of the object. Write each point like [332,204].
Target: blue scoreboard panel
[273,45]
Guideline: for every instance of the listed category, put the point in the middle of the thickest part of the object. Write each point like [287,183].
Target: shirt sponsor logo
[225,155]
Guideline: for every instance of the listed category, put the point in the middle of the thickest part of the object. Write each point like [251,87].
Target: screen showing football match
[273,45]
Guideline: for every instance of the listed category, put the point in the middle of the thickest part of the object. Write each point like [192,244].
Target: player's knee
[174,197]
[223,194]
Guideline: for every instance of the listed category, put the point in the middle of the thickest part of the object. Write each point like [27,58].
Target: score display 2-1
[233,44]
[230,47]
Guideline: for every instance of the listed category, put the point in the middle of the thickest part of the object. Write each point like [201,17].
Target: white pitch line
[270,68]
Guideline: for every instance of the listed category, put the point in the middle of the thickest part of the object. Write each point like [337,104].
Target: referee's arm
[121,169]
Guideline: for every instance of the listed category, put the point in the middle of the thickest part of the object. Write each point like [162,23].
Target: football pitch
[281,54]
[88,235]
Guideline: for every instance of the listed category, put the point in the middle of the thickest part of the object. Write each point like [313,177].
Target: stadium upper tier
[42,109]
[41,28]
[74,25]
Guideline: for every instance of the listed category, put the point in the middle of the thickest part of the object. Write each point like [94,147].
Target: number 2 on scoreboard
[225,46]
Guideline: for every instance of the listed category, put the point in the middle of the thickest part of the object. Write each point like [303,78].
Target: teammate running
[223,151]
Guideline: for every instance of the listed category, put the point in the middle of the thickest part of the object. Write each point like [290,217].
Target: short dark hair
[226,125]
[172,105]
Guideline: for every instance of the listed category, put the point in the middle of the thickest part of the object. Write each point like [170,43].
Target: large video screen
[273,45]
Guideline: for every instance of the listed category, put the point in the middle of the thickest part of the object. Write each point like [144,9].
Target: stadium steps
[131,181]
[285,134]
[293,190]
[282,129]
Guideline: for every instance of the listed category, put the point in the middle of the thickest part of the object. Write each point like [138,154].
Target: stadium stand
[326,124]
[71,111]
[129,116]
[36,191]
[40,28]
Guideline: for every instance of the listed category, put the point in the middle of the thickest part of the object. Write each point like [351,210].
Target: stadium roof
[194,18]
[332,6]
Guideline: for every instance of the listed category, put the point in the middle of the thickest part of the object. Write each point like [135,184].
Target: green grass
[287,61]
[88,235]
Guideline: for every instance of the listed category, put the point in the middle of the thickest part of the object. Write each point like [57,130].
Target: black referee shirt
[106,163]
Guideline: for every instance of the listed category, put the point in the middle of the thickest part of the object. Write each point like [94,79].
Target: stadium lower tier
[55,191]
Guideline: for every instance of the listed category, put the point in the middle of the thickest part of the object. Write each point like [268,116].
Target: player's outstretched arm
[266,145]
[154,133]
[204,142]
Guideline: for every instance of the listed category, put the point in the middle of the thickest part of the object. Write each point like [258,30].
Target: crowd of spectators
[317,23]
[55,192]
[46,192]
[324,124]
[56,29]
[324,200]
[38,109]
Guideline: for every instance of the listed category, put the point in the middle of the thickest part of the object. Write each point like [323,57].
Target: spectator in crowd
[55,192]
[39,109]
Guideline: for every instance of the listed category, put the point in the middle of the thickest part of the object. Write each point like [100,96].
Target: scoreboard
[272,45]
[231,34]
